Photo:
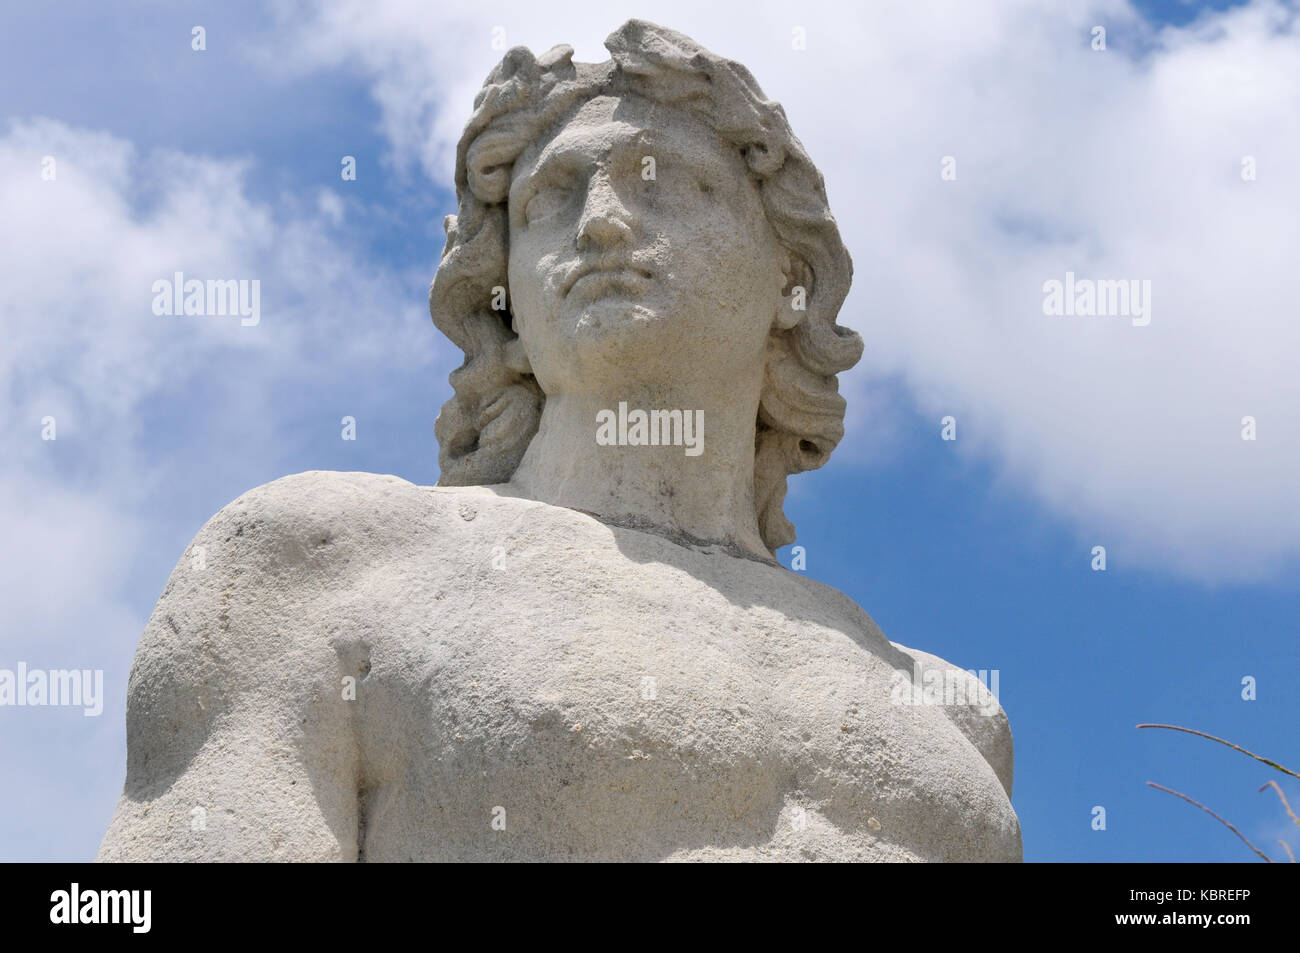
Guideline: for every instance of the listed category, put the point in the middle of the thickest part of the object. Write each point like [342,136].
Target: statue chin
[611,313]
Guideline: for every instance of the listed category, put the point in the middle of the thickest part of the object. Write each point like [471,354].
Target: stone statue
[579,645]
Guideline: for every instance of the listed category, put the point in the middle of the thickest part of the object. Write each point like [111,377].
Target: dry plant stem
[1189,800]
[1290,813]
[1202,734]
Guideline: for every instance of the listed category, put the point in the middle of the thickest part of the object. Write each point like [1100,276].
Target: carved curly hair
[487,425]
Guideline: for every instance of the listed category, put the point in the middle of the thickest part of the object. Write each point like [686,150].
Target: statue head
[647,219]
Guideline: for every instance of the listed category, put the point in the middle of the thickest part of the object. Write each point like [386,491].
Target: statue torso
[375,670]
[536,685]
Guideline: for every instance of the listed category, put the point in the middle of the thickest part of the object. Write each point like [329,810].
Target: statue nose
[605,219]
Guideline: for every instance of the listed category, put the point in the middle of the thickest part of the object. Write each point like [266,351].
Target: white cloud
[1116,164]
[92,514]
[330,206]
[78,259]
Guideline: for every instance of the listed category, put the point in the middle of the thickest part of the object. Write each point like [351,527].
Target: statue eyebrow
[698,160]
[644,143]
[546,162]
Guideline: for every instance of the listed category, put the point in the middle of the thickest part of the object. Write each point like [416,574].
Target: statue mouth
[593,279]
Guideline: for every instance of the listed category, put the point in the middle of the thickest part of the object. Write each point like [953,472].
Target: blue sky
[1113,163]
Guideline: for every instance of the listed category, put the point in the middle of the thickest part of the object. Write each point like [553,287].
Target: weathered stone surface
[522,686]
[580,645]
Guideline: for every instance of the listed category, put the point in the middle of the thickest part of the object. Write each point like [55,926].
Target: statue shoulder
[239,677]
[296,524]
[302,532]
[310,509]
[970,702]
[247,597]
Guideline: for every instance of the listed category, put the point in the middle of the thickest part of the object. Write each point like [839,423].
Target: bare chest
[552,713]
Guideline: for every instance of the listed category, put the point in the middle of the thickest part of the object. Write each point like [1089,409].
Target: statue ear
[515,357]
[793,306]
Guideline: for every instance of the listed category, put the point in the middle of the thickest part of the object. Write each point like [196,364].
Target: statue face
[639,251]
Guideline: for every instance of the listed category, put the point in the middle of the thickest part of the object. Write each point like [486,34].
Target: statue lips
[591,280]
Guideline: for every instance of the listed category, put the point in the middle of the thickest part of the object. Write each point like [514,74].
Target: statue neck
[673,463]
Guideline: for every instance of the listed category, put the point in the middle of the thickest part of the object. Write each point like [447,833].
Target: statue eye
[546,202]
[705,187]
